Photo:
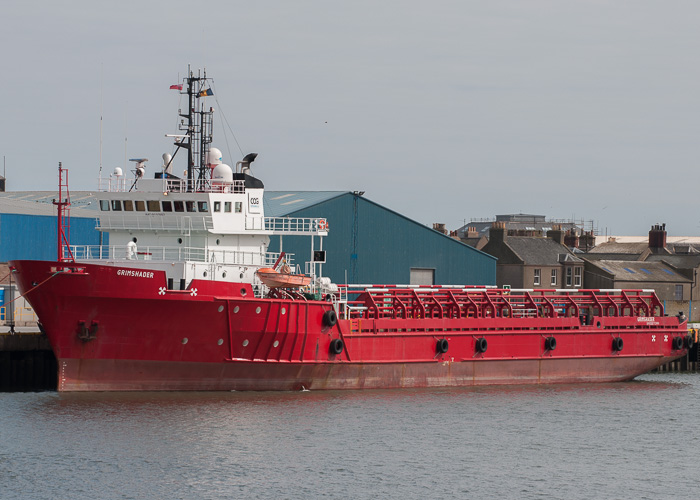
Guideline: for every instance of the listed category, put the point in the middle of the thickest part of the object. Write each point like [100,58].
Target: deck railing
[176,254]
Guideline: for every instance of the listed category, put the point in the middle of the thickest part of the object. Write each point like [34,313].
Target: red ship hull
[118,329]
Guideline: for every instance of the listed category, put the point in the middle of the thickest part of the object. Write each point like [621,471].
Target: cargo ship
[186,296]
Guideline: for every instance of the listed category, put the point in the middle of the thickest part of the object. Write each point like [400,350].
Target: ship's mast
[198,130]
[63,205]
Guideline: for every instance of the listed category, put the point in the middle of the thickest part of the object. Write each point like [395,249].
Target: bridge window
[128,205]
[203,206]
[167,206]
[104,205]
[179,206]
[153,205]
[116,205]
[227,206]
[190,206]
[239,207]
[217,206]
[140,205]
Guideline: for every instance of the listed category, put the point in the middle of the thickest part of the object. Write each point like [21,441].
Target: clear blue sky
[442,111]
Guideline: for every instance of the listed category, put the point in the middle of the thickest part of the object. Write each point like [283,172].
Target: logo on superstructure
[647,319]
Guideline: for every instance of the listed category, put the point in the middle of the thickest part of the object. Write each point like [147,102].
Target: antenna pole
[63,217]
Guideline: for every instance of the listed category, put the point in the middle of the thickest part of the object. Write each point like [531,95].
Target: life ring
[481,345]
[336,346]
[677,343]
[323,225]
[550,343]
[617,344]
[442,346]
[329,318]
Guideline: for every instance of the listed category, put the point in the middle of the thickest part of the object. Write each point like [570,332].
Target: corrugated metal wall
[33,237]
[373,244]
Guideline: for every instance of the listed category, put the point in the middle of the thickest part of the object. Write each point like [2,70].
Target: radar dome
[118,171]
[222,173]
[214,157]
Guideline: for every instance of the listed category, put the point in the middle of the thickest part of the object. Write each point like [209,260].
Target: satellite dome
[222,173]
[118,171]
[214,157]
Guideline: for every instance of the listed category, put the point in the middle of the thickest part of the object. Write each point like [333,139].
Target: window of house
[128,206]
[553,281]
[679,292]
[577,276]
[239,207]
[140,206]
[153,205]
[167,206]
[568,276]
[217,206]
[203,206]
[227,206]
[104,205]
[116,205]
[536,280]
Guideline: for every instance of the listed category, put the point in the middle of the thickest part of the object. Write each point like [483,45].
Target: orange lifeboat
[276,279]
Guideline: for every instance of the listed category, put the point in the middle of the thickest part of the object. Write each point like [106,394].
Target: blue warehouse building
[370,244]
[366,243]
[28,227]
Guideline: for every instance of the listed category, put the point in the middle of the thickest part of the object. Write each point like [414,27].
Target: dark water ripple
[628,440]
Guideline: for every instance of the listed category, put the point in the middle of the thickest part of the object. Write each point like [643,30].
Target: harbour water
[625,440]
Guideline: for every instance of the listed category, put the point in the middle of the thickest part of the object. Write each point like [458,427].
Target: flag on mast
[176,87]
[205,93]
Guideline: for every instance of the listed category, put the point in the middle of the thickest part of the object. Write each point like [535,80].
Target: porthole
[205,274]
[134,239]
[236,309]
[223,275]
[218,241]
[245,342]
[184,341]
[257,310]
[220,341]
[221,308]
[241,275]
[243,292]
[283,311]
[277,342]
[179,240]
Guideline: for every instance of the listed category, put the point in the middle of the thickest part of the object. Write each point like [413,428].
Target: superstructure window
[553,281]
[227,206]
[140,205]
[217,206]
[536,279]
[153,205]
[128,206]
[104,205]
[239,207]
[179,206]
[190,206]
[167,206]
[203,206]
[116,205]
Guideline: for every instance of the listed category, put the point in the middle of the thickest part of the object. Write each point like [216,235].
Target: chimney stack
[556,234]
[571,239]
[497,233]
[657,236]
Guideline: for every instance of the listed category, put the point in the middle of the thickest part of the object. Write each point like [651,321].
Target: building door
[421,276]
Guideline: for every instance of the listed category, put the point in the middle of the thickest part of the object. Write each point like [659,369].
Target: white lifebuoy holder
[323,225]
